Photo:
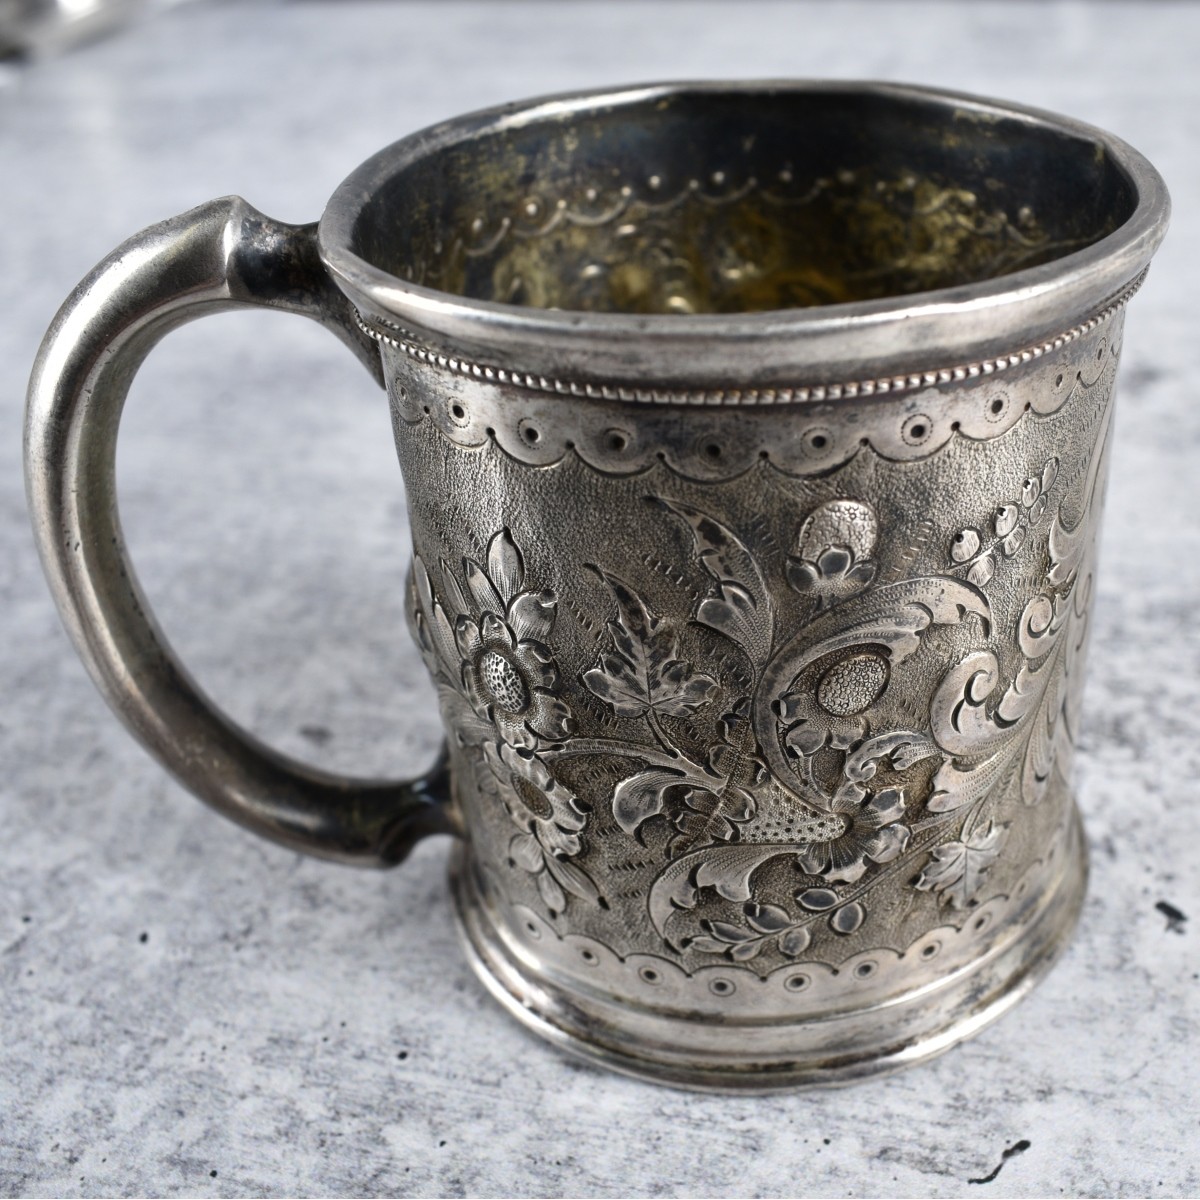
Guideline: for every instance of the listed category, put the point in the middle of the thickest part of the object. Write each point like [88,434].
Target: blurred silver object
[40,27]
[755,439]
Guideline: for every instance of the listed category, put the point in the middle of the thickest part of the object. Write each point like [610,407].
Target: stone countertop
[188,1011]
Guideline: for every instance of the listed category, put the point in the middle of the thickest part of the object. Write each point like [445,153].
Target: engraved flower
[537,803]
[873,830]
[509,679]
[499,657]
[830,713]
[833,548]
[549,818]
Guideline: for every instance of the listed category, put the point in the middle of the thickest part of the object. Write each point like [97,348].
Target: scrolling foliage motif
[801,734]
[799,738]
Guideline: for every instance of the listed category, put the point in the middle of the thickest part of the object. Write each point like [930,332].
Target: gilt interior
[711,202]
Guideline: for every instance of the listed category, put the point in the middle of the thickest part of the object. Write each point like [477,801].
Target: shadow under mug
[754,437]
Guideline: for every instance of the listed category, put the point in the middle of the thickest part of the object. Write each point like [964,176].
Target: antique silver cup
[755,440]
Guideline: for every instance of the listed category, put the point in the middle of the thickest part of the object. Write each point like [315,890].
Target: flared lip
[921,332]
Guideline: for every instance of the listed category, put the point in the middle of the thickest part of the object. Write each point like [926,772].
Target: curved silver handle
[219,256]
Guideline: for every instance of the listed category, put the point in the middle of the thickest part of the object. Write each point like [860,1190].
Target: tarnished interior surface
[740,202]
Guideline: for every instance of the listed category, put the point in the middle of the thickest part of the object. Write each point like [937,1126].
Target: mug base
[832,1049]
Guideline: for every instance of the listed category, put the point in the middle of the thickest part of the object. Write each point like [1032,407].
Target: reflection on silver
[36,28]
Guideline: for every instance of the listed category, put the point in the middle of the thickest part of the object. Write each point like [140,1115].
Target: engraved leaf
[741,609]
[552,895]
[1006,519]
[745,951]
[1049,474]
[817,899]
[960,717]
[955,786]
[680,690]
[737,751]
[729,871]
[482,588]
[1049,743]
[958,714]
[731,615]
[1069,546]
[1067,549]
[901,748]
[434,633]
[956,870]
[642,796]
[767,918]
[417,624]
[505,566]
[526,851]
[1014,541]
[795,941]
[1039,509]
[964,545]
[982,571]
[727,932]
[848,918]
[727,868]
[454,594]
[635,622]
[644,674]
[1031,489]
[706,945]
[710,816]
[672,891]
[574,879]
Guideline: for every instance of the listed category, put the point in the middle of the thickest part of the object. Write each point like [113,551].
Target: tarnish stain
[1175,918]
[1012,1151]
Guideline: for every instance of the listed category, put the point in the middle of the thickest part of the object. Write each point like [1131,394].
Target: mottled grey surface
[188,1011]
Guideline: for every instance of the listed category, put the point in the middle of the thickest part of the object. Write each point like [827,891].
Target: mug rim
[928,332]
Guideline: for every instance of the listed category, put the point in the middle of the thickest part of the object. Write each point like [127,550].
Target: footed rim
[834,1050]
[896,335]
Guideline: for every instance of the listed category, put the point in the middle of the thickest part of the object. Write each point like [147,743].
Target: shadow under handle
[222,255]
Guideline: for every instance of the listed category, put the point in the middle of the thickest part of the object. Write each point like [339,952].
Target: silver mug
[755,439]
